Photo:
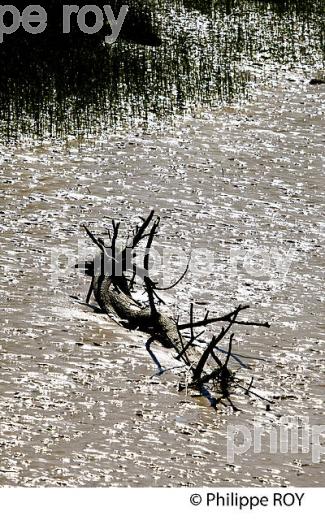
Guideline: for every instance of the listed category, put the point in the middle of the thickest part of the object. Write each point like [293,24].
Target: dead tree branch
[113,290]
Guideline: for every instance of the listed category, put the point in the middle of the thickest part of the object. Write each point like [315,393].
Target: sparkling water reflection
[188,54]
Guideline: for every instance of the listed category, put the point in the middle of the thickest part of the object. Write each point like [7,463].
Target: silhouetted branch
[113,291]
[226,317]
[90,290]
[215,340]
[178,281]
[189,344]
[229,350]
[99,243]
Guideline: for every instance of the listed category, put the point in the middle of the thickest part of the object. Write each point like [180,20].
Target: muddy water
[81,403]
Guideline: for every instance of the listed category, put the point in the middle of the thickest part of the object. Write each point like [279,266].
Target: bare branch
[250,385]
[229,350]
[148,284]
[200,366]
[149,244]
[191,320]
[90,290]
[140,231]
[226,317]
[99,243]
[189,344]
[248,390]
[215,340]
[178,281]
[116,226]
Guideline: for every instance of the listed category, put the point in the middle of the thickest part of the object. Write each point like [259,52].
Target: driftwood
[114,274]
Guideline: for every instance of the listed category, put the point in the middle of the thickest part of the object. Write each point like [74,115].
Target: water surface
[80,402]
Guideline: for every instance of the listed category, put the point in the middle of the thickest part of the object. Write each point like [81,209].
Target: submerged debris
[114,274]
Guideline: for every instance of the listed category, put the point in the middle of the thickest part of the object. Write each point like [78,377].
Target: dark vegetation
[55,84]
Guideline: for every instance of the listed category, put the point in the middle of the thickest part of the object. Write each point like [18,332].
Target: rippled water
[80,401]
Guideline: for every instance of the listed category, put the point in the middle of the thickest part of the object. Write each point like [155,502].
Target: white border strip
[156,503]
